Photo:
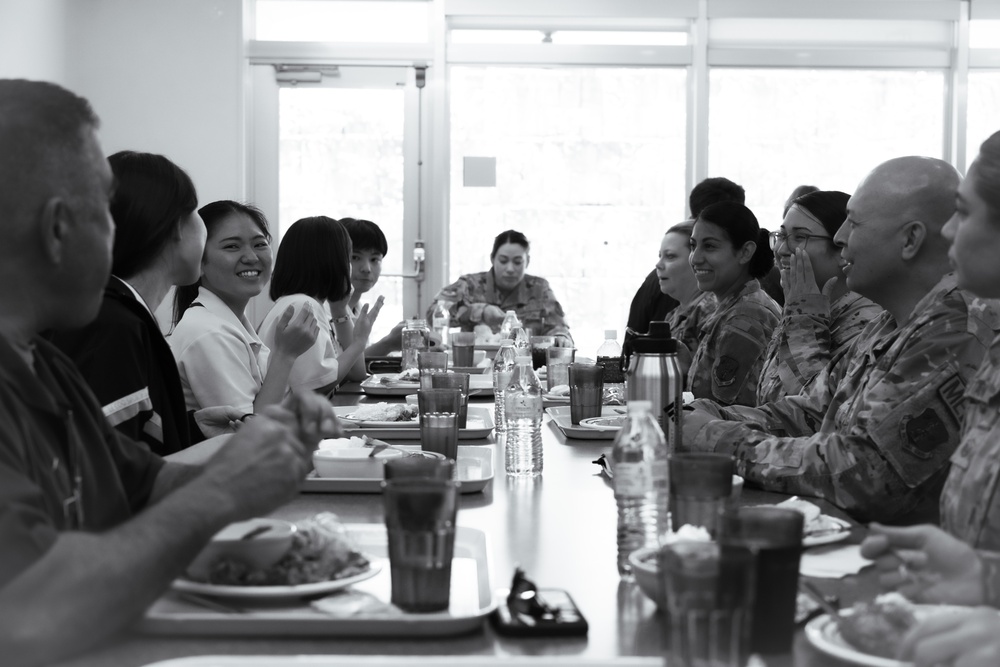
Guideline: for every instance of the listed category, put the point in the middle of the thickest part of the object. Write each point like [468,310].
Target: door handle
[419,258]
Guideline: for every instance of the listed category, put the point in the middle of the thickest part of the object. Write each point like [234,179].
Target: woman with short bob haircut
[729,252]
[159,239]
[312,273]
[220,357]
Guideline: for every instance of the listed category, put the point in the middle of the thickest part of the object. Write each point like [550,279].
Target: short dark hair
[740,225]
[829,207]
[509,236]
[712,191]
[988,167]
[212,214]
[365,235]
[314,258]
[151,197]
[43,133]
[796,193]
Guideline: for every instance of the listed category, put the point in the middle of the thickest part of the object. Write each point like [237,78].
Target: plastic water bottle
[523,407]
[609,356]
[522,342]
[503,370]
[510,322]
[441,320]
[416,339]
[639,463]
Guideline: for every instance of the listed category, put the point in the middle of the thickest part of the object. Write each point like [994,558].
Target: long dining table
[560,527]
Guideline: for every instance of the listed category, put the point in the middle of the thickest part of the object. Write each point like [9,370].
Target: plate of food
[819,528]
[383,415]
[478,425]
[604,423]
[320,560]
[870,632]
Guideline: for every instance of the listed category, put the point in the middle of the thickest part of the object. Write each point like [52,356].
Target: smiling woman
[219,356]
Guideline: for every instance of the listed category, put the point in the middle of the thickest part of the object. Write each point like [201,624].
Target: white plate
[370,423]
[604,423]
[274,592]
[823,633]
[471,370]
[555,398]
[828,538]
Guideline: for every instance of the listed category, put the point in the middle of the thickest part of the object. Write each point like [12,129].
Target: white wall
[32,40]
[165,77]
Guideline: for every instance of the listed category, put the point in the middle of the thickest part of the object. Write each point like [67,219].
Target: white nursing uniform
[220,358]
[316,367]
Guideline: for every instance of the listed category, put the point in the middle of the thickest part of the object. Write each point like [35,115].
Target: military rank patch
[726,369]
[952,393]
[925,432]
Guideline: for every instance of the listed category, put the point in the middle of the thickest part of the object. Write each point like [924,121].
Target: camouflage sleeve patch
[725,370]
[952,394]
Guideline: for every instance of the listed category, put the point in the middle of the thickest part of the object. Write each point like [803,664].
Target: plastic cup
[557,361]
[586,386]
[539,345]
[430,363]
[458,381]
[701,486]
[708,592]
[463,347]
[420,520]
[774,536]
[439,420]
[420,467]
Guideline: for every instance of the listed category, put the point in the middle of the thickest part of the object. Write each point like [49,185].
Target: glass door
[342,144]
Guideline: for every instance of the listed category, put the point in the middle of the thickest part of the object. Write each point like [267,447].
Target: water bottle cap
[611,333]
[639,406]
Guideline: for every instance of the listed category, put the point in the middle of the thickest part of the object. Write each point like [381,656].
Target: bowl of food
[647,573]
[352,457]
[259,543]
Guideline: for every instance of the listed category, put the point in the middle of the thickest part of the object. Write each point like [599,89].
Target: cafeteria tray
[479,384]
[475,470]
[404,661]
[472,600]
[561,418]
[479,425]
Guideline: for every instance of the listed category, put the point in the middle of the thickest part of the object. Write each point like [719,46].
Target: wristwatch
[341,319]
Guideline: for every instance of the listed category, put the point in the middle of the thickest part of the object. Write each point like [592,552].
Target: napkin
[833,562]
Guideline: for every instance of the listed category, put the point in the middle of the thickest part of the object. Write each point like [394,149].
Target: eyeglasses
[794,240]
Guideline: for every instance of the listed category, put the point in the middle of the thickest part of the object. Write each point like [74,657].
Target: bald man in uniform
[873,435]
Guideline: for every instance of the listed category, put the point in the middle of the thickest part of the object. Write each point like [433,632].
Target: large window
[589,165]
[984,109]
[772,130]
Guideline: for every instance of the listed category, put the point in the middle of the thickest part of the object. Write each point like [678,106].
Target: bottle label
[612,369]
[661,476]
[632,479]
[522,405]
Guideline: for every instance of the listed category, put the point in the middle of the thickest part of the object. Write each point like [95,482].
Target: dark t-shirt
[52,431]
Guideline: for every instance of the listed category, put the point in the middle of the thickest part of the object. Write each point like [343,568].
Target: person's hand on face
[967,638]
[492,315]
[366,319]
[295,332]
[925,564]
[799,279]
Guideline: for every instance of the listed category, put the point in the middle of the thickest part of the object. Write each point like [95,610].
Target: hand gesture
[366,319]
[311,416]
[217,420]
[800,280]
[925,564]
[969,638]
[493,316]
[561,340]
[261,466]
[295,332]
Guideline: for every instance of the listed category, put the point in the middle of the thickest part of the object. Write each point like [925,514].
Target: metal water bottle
[654,376]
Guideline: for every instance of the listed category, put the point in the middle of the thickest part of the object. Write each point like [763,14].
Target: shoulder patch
[726,369]
[925,432]
[952,394]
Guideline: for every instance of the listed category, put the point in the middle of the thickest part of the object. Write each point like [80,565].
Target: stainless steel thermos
[653,375]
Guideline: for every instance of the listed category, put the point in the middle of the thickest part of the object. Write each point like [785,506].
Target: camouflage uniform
[685,326]
[730,354]
[970,501]
[532,300]
[811,333]
[873,434]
